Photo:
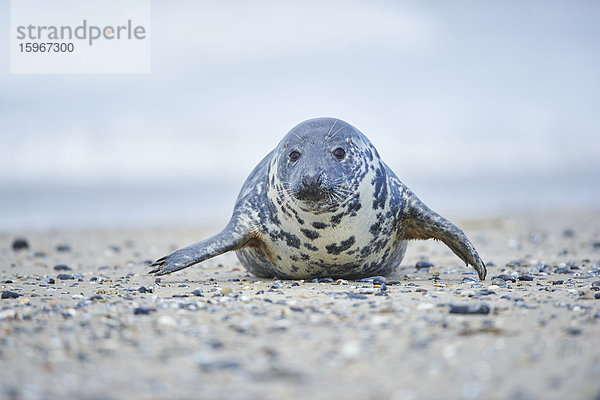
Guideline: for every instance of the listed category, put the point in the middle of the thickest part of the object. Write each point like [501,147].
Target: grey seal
[323,204]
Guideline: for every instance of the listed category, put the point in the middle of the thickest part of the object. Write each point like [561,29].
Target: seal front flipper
[232,237]
[420,222]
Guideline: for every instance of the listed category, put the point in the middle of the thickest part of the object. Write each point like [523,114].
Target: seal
[324,204]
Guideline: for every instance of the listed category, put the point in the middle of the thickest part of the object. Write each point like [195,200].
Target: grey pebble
[423,265]
[470,309]
[505,277]
[499,282]
[468,280]
[596,283]
[525,277]
[63,248]
[143,310]
[352,295]
[20,244]
[198,292]
[559,282]
[376,280]
[7,294]
[62,267]
[574,331]
[277,285]
[64,277]
[597,295]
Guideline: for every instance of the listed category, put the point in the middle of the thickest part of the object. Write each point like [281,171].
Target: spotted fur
[324,216]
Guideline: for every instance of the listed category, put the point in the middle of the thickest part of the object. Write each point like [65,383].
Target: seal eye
[294,155]
[339,153]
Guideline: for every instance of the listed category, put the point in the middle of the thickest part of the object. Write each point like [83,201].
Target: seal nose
[311,187]
[312,181]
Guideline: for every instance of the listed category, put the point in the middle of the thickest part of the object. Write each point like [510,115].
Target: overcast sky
[442,88]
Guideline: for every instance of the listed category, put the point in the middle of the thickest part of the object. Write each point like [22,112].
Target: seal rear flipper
[232,237]
[420,222]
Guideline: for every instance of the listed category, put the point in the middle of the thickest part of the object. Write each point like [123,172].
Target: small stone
[559,282]
[595,245]
[525,277]
[143,310]
[277,285]
[226,290]
[64,277]
[352,295]
[376,280]
[423,265]
[63,248]
[166,322]
[574,331]
[596,283]
[505,277]
[62,267]
[198,292]
[96,297]
[597,295]
[7,294]
[8,314]
[499,282]
[20,244]
[470,309]
[568,233]
[468,280]
[296,309]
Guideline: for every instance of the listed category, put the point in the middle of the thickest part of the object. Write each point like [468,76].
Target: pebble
[276,285]
[352,295]
[7,294]
[143,310]
[376,280]
[499,282]
[166,322]
[62,267]
[559,282]
[597,296]
[423,265]
[505,277]
[525,277]
[7,314]
[227,289]
[198,292]
[64,277]
[63,248]
[468,280]
[470,309]
[20,244]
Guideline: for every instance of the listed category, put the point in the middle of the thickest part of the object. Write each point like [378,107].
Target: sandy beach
[80,318]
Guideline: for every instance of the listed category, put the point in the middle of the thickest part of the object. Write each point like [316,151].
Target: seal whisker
[330,129]
[336,132]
